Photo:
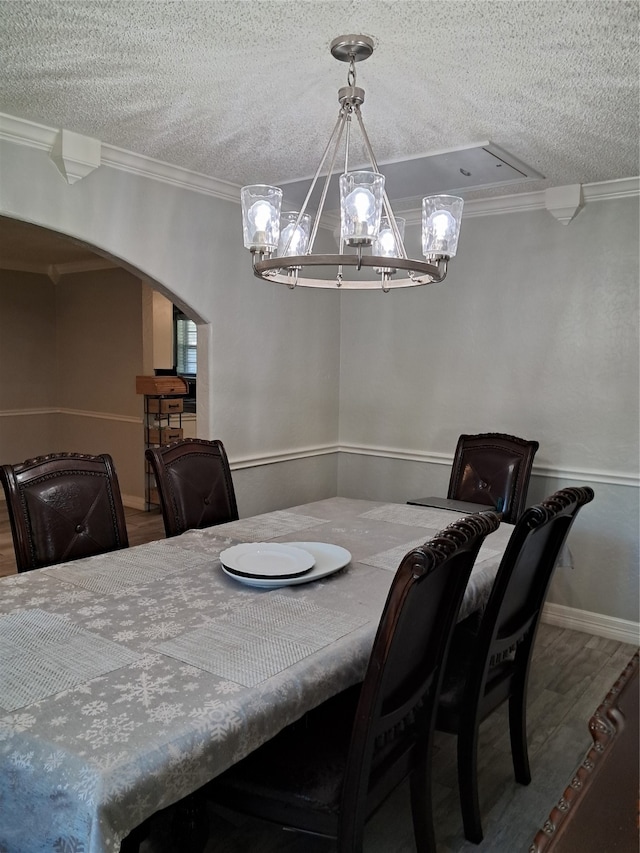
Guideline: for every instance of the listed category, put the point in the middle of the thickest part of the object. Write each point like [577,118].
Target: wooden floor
[141,527]
[572,672]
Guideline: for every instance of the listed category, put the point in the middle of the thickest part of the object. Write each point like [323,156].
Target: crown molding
[26,133]
[609,190]
[75,155]
[565,203]
[84,266]
[526,202]
[18,266]
[177,176]
[494,206]
[56,271]
[34,135]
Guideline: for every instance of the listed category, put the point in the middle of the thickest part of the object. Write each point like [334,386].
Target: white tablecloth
[130,679]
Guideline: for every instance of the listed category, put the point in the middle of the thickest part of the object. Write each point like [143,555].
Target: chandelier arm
[394,225]
[335,130]
[337,134]
[347,144]
[385,199]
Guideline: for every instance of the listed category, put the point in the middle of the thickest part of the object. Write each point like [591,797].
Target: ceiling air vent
[407,181]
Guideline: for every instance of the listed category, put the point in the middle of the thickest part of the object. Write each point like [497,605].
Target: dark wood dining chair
[62,507]
[327,773]
[194,483]
[490,655]
[493,469]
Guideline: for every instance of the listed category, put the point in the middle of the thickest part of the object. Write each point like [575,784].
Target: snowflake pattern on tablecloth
[148,733]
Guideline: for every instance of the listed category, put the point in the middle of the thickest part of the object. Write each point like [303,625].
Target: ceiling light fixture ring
[419,272]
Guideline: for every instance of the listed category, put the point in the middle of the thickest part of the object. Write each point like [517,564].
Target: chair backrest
[62,507]
[194,484]
[512,614]
[493,469]
[395,714]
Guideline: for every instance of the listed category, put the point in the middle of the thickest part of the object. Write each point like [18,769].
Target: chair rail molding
[615,478]
[237,463]
[21,413]
[55,410]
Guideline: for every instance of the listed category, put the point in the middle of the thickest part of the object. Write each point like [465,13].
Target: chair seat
[458,668]
[297,773]
[452,696]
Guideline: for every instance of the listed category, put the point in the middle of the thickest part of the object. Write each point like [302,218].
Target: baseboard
[610,627]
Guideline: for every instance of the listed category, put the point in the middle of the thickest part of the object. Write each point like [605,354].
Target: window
[186,343]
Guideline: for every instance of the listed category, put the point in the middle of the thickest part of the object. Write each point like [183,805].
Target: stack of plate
[269,565]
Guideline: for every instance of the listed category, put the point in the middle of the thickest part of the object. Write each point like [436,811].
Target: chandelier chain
[351,73]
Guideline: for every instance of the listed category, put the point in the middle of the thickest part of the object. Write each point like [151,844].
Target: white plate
[329,559]
[266,560]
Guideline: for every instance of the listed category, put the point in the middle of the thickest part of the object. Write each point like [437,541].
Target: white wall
[99,323]
[69,355]
[162,311]
[268,372]
[533,333]
[28,369]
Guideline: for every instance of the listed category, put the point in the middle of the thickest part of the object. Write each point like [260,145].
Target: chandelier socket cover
[282,246]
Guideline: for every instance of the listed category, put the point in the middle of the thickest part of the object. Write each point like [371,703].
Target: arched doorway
[76,327]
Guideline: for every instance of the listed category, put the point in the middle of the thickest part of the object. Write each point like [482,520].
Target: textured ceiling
[246,90]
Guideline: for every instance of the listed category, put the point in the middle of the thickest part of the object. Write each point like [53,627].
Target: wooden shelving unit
[163,407]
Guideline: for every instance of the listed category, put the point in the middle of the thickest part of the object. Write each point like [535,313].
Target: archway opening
[75,330]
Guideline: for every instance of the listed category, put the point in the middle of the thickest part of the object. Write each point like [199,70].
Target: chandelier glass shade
[281,243]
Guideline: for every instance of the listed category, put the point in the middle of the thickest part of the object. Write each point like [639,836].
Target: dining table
[130,679]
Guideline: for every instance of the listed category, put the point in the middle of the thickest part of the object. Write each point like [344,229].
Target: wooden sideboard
[598,812]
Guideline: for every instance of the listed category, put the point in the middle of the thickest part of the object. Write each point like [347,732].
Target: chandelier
[281,243]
